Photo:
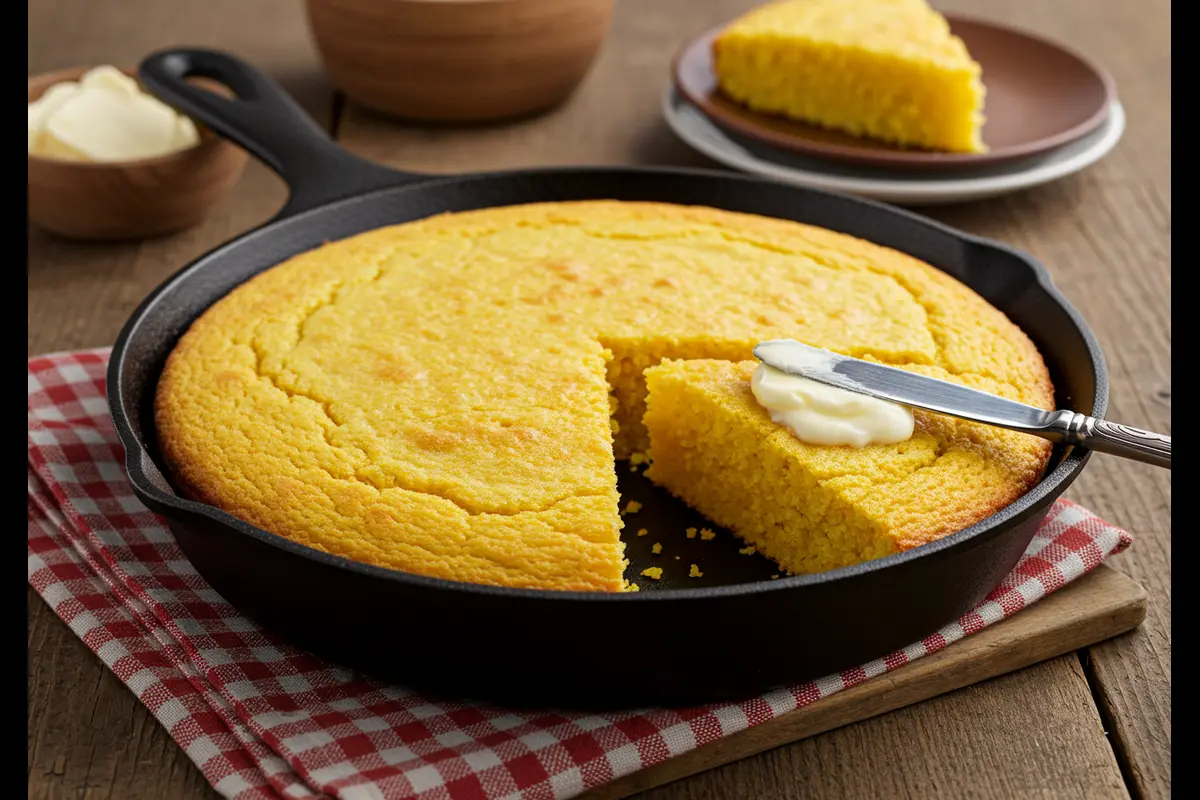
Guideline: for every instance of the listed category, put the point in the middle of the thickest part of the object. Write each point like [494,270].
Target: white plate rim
[721,148]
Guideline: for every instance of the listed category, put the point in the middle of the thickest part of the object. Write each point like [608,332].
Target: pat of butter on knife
[105,117]
[825,415]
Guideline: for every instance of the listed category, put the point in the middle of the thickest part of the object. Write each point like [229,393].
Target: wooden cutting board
[1098,606]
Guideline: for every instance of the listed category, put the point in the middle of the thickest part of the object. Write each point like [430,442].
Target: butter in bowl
[105,116]
[108,160]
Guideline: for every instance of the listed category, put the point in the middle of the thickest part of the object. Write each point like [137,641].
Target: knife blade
[898,385]
[952,399]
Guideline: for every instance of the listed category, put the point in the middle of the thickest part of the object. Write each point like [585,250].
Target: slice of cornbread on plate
[812,508]
[885,69]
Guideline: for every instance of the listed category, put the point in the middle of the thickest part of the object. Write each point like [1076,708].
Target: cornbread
[810,507]
[885,69]
[446,397]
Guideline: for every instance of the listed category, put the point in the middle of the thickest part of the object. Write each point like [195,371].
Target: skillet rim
[1048,487]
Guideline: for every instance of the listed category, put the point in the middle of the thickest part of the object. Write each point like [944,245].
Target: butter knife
[943,397]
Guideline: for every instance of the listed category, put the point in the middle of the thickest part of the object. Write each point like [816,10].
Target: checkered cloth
[262,719]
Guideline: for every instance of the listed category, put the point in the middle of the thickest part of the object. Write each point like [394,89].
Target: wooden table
[1091,724]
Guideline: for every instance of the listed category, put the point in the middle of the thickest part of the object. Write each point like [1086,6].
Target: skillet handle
[267,122]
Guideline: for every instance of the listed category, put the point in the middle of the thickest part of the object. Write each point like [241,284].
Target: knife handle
[1111,437]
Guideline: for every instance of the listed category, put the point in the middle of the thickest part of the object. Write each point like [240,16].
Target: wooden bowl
[129,199]
[458,60]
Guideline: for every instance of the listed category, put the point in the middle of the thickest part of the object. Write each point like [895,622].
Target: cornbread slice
[440,397]
[814,508]
[885,69]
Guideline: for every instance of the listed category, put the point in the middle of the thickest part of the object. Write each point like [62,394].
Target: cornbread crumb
[676,558]
[695,572]
[638,457]
[776,575]
[707,535]
[653,573]
[642,531]
[656,548]
[691,533]
[748,551]
[633,587]
[632,507]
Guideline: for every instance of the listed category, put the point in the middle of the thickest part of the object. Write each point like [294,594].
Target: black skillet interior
[335,195]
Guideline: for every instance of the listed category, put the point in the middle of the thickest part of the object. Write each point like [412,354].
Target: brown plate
[1040,95]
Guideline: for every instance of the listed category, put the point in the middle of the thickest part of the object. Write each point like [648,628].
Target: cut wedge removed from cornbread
[885,69]
[812,508]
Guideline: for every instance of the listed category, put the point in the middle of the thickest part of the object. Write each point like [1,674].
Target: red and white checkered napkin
[263,719]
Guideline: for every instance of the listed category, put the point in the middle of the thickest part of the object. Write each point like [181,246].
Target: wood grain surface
[1104,234]
[1097,607]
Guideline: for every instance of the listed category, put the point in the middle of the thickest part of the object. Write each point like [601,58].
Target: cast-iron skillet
[733,632]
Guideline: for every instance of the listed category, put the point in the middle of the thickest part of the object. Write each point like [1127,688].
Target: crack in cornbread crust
[437,396]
